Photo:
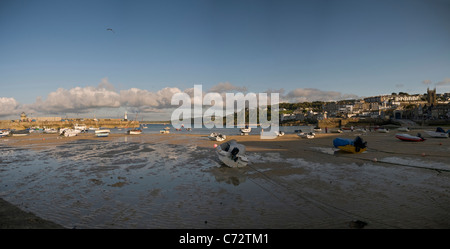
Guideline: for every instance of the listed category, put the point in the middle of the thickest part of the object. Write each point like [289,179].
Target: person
[351,128]
[326,129]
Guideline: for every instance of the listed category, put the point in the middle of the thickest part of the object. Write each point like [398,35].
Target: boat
[232,154]
[50,130]
[356,145]
[279,133]
[383,130]
[246,130]
[102,133]
[164,131]
[403,129]
[336,131]
[308,135]
[134,132]
[217,137]
[69,132]
[410,138]
[18,133]
[94,128]
[317,129]
[439,133]
[81,128]
[4,133]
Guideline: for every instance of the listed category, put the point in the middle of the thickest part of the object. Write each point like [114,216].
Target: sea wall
[105,123]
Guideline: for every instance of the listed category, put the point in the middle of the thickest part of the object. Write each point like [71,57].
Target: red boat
[410,138]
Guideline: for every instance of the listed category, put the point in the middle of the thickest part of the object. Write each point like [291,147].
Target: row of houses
[401,106]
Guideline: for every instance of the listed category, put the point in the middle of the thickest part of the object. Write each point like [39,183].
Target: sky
[60,58]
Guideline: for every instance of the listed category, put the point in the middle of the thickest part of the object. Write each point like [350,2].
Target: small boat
[317,129]
[164,131]
[410,138]
[94,128]
[232,154]
[336,131]
[4,133]
[50,130]
[18,133]
[279,133]
[134,132]
[246,130]
[383,130]
[308,135]
[439,133]
[81,128]
[356,145]
[69,132]
[217,137]
[406,129]
[102,133]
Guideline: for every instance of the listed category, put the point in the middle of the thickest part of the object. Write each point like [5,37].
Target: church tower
[431,96]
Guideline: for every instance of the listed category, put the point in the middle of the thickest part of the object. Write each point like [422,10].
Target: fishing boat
[439,133]
[308,135]
[232,154]
[356,145]
[134,132]
[102,133]
[410,138]
[217,137]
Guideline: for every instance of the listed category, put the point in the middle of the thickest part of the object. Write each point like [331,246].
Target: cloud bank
[87,99]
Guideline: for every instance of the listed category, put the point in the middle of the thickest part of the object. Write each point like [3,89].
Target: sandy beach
[394,184]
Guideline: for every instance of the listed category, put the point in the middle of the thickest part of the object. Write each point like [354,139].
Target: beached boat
[69,132]
[406,129]
[232,154]
[102,133]
[4,133]
[336,131]
[317,129]
[217,137]
[410,138]
[383,130]
[50,130]
[308,135]
[163,131]
[134,132]
[18,133]
[439,133]
[81,128]
[246,130]
[356,145]
[94,128]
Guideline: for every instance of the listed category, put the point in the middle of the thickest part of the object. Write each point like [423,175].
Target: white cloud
[426,82]
[8,106]
[227,87]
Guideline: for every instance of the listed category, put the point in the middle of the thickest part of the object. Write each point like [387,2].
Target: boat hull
[409,138]
[349,145]
[437,134]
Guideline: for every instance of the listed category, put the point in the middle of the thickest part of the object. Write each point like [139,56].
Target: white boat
[69,132]
[134,132]
[81,128]
[4,133]
[50,130]
[437,134]
[246,131]
[94,128]
[102,133]
[383,130]
[164,131]
[405,129]
[232,154]
[336,131]
[217,137]
[317,129]
[308,135]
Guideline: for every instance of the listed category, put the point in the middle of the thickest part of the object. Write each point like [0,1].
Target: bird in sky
[110,29]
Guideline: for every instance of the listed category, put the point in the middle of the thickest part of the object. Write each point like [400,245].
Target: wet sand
[394,184]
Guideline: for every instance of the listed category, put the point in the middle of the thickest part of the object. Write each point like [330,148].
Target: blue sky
[348,48]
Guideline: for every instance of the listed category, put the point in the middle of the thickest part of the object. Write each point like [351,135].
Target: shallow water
[135,182]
